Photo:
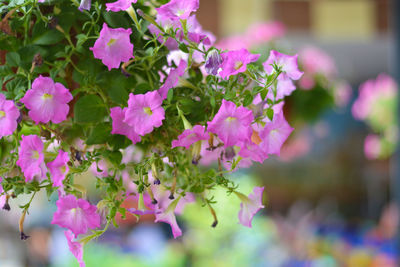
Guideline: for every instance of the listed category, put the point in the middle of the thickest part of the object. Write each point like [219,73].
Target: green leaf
[99,134]
[183,47]
[270,113]
[170,95]
[89,108]
[13,59]
[247,99]
[49,37]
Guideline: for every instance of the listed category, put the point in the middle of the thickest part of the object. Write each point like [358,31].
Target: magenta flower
[250,205]
[234,62]
[275,134]
[191,136]
[120,127]
[75,247]
[9,114]
[172,79]
[288,64]
[2,197]
[372,146]
[168,216]
[178,9]
[47,101]
[77,215]
[113,46]
[59,168]
[31,158]
[232,124]
[144,112]
[120,5]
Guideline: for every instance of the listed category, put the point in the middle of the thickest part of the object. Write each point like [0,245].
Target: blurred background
[328,201]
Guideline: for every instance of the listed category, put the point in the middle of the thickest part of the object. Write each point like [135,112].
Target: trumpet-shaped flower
[213,62]
[288,64]
[172,80]
[9,114]
[85,5]
[77,215]
[75,247]
[191,136]
[144,112]
[59,168]
[31,158]
[168,216]
[232,124]
[47,101]
[120,127]
[113,46]
[120,5]
[234,62]
[178,9]
[250,206]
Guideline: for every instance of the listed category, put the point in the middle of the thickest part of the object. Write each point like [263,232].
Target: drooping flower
[47,101]
[75,247]
[178,9]
[59,168]
[213,62]
[120,5]
[120,127]
[9,114]
[234,62]
[31,158]
[275,134]
[77,215]
[113,46]
[231,123]
[250,205]
[144,112]
[85,5]
[168,216]
[191,136]
[172,80]
[288,64]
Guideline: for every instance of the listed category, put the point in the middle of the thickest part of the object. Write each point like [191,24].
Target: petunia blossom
[145,112]
[75,247]
[250,205]
[2,197]
[191,136]
[85,5]
[9,114]
[77,215]
[47,101]
[213,62]
[234,62]
[172,80]
[288,64]
[120,5]
[120,127]
[178,9]
[231,123]
[168,216]
[31,158]
[59,168]
[113,46]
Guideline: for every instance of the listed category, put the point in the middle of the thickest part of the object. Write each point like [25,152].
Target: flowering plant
[135,93]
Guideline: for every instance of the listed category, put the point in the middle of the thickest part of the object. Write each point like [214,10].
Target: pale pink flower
[2,197]
[250,206]
[288,64]
[120,5]
[372,147]
[145,112]
[178,9]
[31,158]
[47,101]
[59,168]
[77,215]
[234,43]
[234,62]
[99,169]
[191,136]
[113,46]
[120,127]
[172,80]
[261,33]
[168,216]
[85,5]
[9,114]
[75,247]
[232,124]
[316,61]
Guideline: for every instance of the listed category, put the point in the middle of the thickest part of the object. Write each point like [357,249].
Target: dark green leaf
[89,108]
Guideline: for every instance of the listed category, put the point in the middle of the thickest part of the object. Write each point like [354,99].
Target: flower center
[111,42]
[238,65]
[47,96]
[63,169]
[230,119]
[180,12]
[255,138]
[35,155]
[147,110]
[2,114]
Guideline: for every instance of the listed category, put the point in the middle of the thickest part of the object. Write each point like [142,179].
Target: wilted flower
[213,62]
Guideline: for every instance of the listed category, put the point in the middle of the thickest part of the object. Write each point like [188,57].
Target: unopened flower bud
[213,61]
[85,4]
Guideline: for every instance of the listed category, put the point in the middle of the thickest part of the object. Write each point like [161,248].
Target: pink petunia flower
[9,114]
[75,247]
[232,124]
[191,136]
[288,64]
[59,168]
[234,62]
[145,112]
[172,79]
[168,216]
[178,9]
[2,197]
[47,101]
[250,205]
[120,127]
[31,158]
[120,5]
[77,215]
[113,46]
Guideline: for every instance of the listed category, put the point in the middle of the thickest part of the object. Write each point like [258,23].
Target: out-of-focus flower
[172,79]
[250,205]
[178,9]
[31,158]
[75,247]
[120,5]
[191,136]
[288,65]
[120,127]
[9,114]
